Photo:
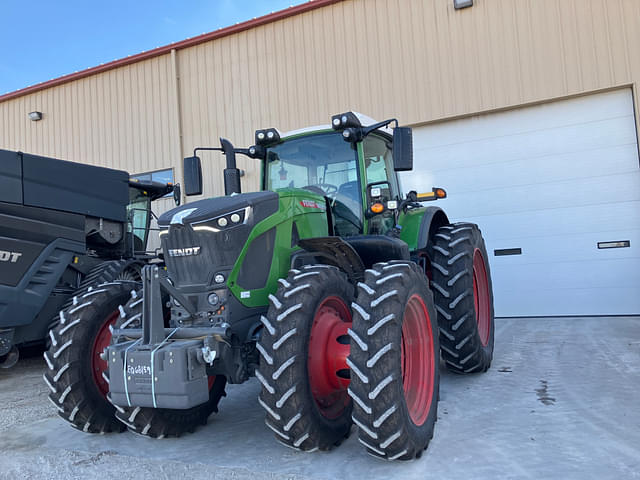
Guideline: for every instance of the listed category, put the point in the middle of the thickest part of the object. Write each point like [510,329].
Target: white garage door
[552,180]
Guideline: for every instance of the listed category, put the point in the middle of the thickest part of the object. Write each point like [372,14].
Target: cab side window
[378,163]
[377,158]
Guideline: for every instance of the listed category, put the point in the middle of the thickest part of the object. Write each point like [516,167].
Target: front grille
[220,245]
[218,251]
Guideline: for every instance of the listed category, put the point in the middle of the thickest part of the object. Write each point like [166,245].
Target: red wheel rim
[327,357]
[98,365]
[481,297]
[418,360]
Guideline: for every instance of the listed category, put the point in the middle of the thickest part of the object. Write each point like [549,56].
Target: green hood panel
[300,214]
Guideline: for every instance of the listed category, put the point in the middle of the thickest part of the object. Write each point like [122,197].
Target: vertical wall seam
[177,111]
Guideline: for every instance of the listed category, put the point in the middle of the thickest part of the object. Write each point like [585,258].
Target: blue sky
[44,39]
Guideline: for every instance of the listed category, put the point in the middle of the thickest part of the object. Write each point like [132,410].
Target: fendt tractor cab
[64,227]
[331,287]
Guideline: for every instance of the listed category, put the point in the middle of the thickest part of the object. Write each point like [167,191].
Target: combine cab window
[138,215]
[323,164]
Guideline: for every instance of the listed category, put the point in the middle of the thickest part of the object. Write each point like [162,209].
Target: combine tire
[303,368]
[394,361]
[164,422]
[461,284]
[75,372]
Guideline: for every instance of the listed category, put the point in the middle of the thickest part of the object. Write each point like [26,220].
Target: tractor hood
[210,209]
[206,237]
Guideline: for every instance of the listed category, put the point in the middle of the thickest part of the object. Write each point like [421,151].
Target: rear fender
[333,251]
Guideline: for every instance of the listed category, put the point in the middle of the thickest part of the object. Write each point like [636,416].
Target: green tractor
[338,293]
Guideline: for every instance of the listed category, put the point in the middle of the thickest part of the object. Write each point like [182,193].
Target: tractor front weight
[160,367]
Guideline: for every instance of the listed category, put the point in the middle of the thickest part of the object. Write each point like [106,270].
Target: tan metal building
[468,80]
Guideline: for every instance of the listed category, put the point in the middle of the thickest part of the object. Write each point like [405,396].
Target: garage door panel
[537,171]
[532,145]
[592,108]
[548,197]
[570,274]
[560,248]
[576,302]
[552,180]
[577,220]
[592,290]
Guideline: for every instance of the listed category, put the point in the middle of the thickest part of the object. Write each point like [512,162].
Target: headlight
[228,220]
[213,299]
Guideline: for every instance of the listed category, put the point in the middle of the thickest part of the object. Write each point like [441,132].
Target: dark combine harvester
[64,228]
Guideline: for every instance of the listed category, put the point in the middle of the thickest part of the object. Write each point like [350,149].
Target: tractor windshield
[324,164]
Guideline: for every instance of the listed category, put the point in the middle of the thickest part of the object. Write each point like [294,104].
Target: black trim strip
[614,244]
[501,252]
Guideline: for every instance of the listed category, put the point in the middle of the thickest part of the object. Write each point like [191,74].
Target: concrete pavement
[561,400]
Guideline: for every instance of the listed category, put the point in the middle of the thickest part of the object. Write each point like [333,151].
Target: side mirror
[192,176]
[402,149]
[176,194]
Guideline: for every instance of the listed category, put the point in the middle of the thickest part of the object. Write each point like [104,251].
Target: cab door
[380,178]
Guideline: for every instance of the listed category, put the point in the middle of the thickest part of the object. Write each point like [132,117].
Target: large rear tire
[75,372]
[164,422]
[394,361]
[303,368]
[461,283]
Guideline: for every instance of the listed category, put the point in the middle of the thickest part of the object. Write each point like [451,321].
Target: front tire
[303,368]
[76,373]
[394,361]
[463,294]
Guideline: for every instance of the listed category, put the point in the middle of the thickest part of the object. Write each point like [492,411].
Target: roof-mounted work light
[352,135]
[256,151]
[267,136]
[345,120]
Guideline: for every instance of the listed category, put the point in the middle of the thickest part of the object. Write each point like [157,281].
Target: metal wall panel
[121,118]
[418,60]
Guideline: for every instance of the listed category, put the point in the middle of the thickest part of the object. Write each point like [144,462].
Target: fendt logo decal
[311,204]
[184,252]
[11,257]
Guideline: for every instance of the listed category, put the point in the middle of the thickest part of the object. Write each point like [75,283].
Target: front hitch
[161,367]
